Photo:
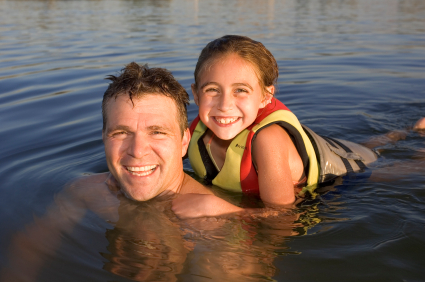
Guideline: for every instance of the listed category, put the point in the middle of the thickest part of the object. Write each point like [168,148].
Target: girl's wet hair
[254,52]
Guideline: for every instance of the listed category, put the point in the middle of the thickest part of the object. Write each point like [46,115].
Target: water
[351,69]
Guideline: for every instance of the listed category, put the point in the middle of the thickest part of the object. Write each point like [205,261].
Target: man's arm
[196,200]
[42,237]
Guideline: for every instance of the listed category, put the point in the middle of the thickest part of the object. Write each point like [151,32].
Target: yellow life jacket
[238,172]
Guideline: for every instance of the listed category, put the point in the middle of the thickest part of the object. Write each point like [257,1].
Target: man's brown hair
[138,80]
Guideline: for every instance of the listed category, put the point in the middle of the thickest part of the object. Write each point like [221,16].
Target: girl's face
[229,96]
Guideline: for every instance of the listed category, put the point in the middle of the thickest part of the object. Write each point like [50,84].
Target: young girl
[245,140]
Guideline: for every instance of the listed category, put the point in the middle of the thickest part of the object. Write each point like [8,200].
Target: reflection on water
[349,69]
[144,245]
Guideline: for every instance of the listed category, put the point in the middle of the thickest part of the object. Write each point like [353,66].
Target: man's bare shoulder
[190,185]
[94,179]
[86,185]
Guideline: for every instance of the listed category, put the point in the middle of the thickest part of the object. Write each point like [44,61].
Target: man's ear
[195,94]
[267,99]
[185,141]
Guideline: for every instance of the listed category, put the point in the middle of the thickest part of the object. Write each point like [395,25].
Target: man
[145,134]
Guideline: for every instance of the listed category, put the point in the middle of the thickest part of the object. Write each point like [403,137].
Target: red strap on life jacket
[248,176]
[193,125]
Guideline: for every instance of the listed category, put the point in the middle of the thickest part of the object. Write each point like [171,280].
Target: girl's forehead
[231,60]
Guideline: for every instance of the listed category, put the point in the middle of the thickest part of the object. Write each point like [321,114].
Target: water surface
[348,69]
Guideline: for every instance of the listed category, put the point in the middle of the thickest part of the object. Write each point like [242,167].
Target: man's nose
[226,102]
[138,147]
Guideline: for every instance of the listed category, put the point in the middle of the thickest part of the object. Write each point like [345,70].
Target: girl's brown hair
[254,52]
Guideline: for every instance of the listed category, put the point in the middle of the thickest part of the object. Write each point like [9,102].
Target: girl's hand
[201,205]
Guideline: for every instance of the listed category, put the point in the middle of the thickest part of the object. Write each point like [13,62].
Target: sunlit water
[348,69]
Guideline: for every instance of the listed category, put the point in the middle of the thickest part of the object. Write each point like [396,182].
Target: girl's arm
[278,163]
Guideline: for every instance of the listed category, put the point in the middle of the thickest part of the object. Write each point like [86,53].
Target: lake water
[348,69]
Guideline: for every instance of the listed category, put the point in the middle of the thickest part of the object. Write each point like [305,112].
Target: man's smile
[141,170]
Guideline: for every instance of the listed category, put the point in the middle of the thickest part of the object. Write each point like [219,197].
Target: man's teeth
[226,120]
[141,170]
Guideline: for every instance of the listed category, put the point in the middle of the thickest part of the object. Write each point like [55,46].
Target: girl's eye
[241,90]
[211,90]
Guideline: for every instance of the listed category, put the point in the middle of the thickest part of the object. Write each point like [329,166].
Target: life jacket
[338,157]
[238,172]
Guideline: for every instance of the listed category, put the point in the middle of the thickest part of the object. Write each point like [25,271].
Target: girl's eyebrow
[208,83]
[243,84]
[235,84]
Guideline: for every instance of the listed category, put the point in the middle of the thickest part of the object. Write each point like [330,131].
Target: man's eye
[158,133]
[119,133]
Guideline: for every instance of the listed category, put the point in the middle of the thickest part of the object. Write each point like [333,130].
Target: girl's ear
[195,94]
[267,99]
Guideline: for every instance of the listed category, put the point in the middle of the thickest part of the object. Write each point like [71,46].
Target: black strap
[209,165]
[361,165]
[346,163]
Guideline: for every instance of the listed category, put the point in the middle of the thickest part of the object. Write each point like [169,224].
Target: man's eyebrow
[119,127]
[159,128]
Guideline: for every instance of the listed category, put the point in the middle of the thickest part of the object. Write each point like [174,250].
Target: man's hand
[201,205]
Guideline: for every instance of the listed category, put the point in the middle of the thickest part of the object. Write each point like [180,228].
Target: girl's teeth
[226,120]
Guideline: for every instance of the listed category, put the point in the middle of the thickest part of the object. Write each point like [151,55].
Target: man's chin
[138,197]
[138,192]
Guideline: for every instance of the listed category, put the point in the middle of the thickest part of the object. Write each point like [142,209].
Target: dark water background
[348,69]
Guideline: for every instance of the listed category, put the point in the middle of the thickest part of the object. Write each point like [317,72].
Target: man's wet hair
[137,81]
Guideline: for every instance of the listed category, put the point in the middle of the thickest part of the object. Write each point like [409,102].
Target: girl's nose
[226,102]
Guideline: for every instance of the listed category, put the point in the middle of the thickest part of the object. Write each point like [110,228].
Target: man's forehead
[145,98]
[155,110]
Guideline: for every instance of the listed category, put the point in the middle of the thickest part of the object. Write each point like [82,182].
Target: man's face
[144,146]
